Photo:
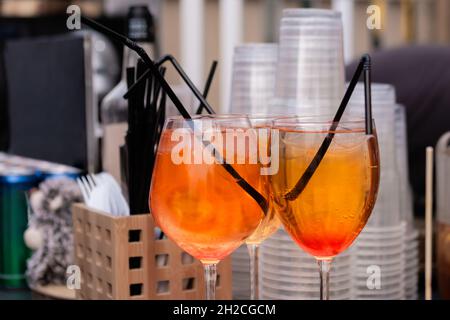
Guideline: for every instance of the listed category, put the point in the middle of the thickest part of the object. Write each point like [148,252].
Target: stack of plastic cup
[253,78]
[310,71]
[386,252]
[240,265]
[288,273]
[412,235]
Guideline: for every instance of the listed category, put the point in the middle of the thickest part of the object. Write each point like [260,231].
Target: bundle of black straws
[146,115]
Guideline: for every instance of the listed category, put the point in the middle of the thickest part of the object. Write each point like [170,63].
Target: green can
[14,184]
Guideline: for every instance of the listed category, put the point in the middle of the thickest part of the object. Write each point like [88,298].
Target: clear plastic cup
[253,77]
[311,67]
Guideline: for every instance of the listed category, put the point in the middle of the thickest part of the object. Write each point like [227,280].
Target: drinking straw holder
[119,258]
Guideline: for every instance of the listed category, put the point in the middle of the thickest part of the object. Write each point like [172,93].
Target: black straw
[130,145]
[141,140]
[368,94]
[364,64]
[208,83]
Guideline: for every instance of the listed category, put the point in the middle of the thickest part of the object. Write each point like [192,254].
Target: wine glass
[270,222]
[194,198]
[325,215]
[267,227]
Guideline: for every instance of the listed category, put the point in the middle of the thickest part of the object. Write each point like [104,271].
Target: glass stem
[210,280]
[324,270]
[253,251]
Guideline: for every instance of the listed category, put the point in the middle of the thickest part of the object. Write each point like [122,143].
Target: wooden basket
[120,259]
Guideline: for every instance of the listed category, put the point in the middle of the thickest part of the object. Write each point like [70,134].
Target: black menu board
[47,99]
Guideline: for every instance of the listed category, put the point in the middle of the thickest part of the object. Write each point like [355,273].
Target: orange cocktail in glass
[334,206]
[194,200]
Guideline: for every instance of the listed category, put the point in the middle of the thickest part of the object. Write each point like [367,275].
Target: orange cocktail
[333,208]
[199,205]
[326,185]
